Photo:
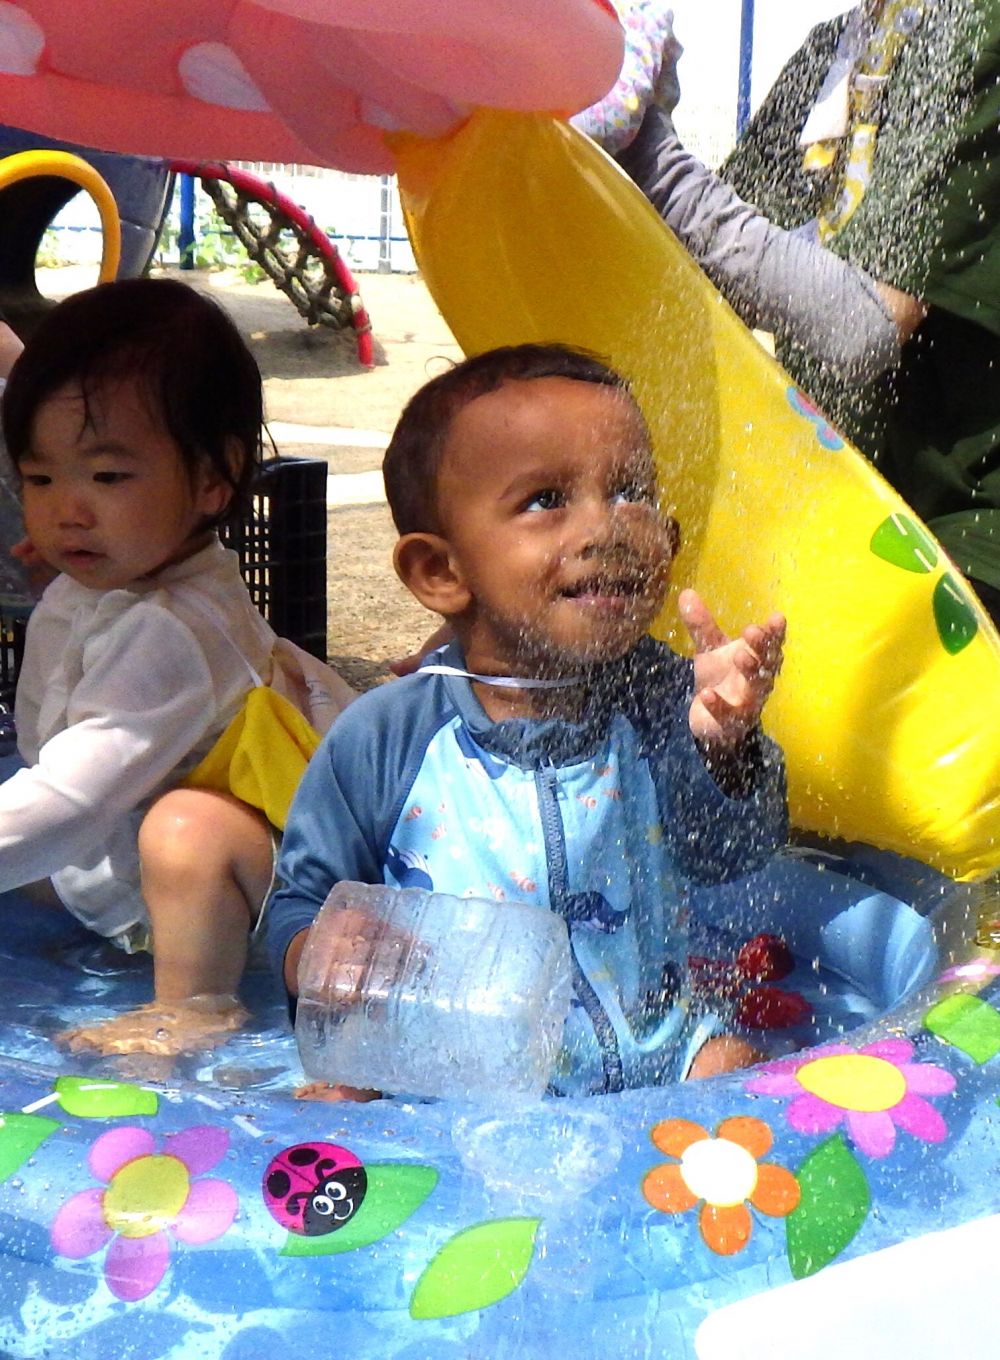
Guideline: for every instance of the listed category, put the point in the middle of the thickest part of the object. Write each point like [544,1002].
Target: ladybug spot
[302,1155]
[278,1184]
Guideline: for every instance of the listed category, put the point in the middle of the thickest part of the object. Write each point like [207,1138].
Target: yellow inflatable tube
[30,164]
[888,705]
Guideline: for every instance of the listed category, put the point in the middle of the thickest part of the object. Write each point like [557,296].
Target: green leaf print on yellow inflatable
[21,1135]
[900,541]
[91,1098]
[476,1268]
[834,1204]
[956,623]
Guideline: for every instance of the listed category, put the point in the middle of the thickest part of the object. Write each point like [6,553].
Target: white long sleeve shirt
[120,694]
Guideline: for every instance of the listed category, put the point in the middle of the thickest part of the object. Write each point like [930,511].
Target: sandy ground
[314,383]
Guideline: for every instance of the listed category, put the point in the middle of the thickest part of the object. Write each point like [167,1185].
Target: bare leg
[323,1090]
[206,866]
[724,1053]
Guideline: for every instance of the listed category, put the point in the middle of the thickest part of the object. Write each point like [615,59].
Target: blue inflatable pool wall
[836,1198]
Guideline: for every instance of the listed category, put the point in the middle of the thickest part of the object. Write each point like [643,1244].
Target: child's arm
[140,708]
[339,820]
[336,830]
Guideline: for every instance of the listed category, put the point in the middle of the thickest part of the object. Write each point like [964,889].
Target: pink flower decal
[973,970]
[148,1197]
[874,1090]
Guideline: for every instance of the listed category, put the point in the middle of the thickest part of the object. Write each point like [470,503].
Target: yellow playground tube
[887,708]
[31,164]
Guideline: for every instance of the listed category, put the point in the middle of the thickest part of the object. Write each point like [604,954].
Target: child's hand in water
[732,676]
[164,1028]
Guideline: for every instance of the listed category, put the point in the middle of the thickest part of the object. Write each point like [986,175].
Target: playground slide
[886,708]
[38,177]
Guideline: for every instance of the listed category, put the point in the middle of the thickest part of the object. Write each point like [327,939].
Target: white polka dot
[378,117]
[214,73]
[21,41]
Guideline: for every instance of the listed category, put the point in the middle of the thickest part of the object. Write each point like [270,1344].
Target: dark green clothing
[929,225]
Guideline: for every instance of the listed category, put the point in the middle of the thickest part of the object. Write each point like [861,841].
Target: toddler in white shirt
[134,421]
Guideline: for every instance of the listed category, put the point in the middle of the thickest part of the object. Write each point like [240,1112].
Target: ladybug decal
[314,1188]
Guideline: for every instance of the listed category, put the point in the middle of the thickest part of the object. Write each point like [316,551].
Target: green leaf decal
[476,1268]
[20,1136]
[900,541]
[90,1098]
[968,1022]
[834,1204]
[954,616]
[395,1191]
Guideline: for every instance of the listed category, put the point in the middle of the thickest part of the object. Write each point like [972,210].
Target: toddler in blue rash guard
[553,752]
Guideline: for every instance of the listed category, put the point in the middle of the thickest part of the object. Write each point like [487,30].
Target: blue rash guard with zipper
[604,821]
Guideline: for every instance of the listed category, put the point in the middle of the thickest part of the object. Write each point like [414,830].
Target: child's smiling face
[547,498]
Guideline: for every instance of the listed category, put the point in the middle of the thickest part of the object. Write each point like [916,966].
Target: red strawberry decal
[771,1008]
[765,958]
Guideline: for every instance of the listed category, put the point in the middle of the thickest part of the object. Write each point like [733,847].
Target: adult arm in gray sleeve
[776,280]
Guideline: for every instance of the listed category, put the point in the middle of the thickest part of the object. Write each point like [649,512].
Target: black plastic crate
[282,549]
[12,628]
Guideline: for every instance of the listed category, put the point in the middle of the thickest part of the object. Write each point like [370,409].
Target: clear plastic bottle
[423,994]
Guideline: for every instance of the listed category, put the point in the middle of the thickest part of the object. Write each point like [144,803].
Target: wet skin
[547,499]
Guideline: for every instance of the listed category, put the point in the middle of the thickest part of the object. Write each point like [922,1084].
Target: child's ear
[214,495]
[425,566]
[214,490]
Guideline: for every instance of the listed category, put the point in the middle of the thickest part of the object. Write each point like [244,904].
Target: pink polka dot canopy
[311,81]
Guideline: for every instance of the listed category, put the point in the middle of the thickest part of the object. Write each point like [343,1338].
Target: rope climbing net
[286,243]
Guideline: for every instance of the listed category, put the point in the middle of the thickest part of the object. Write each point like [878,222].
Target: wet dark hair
[413,458]
[191,363]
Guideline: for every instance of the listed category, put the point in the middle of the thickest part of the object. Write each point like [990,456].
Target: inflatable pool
[208,1215]
[841,1198]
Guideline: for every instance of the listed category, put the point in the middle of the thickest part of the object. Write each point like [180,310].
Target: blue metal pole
[185,238]
[746,67]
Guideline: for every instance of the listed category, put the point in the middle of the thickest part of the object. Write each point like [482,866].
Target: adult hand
[406,665]
[668,86]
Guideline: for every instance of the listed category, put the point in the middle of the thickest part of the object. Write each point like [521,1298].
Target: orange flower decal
[723,1173]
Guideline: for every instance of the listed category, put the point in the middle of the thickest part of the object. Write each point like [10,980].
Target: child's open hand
[732,676]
